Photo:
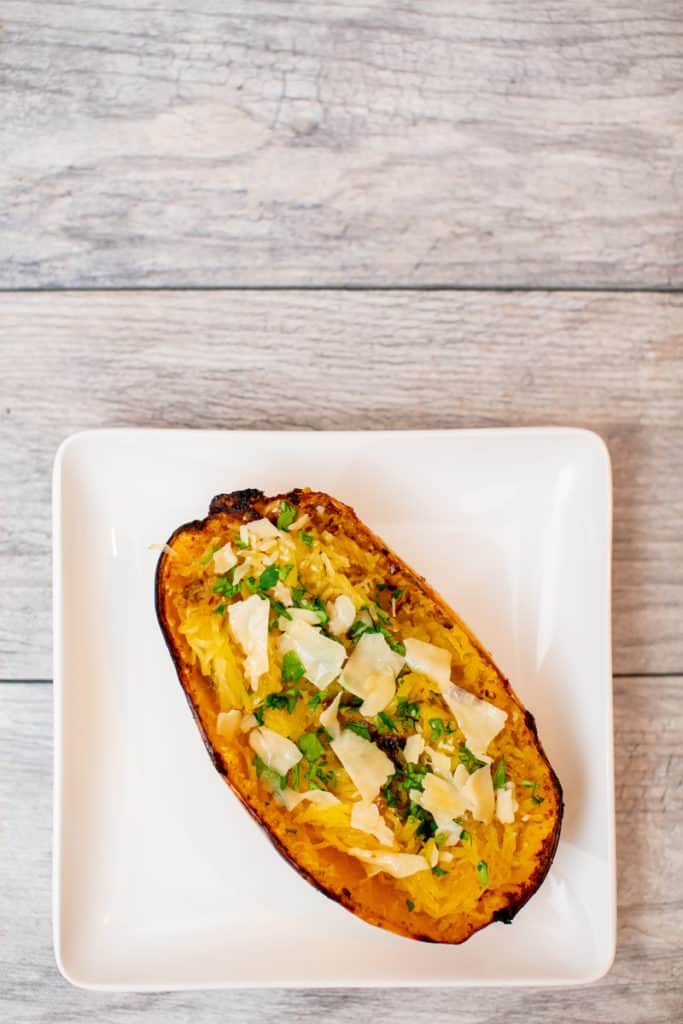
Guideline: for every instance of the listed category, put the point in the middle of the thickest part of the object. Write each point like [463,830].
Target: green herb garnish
[258,715]
[269,577]
[407,710]
[440,838]
[278,607]
[219,609]
[439,872]
[410,905]
[483,872]
[285,570]
[360,728]
[317,698]
[292,669]
[284,700]
[500,776]
[533,786]
[383,721]
[467,758]
[297,595]
[286,516]
[295,775]
[210,553]
[240,543]
[307,538]
[311,747]
[225,587]
[439,727]
[466,836]
[537,799]
[316,606]
[412,779]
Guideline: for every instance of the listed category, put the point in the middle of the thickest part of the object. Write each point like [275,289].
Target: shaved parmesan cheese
[259,530]
[282,594]
[321,657]
[290,799]
[248,723]
[249,624]
[367,766]
[228,722]
[441,798]
[415,744]
[366,818]
[371,673]
[445,857]
[276,751]
[506,805]
[328,718]
[299,523]
[398,865]
[454,834]
[460,776]
[224,558]
[242,571]
[432,661]
[342,613]
[441,763]
[478,792]
[302,614]
[478,720]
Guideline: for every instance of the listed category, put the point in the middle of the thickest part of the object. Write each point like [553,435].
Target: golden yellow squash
[356,717]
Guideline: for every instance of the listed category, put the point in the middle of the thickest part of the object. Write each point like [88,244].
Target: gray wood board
[645,984]
[305,143]
[323,360]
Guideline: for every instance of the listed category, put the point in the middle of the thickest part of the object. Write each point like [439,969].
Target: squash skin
[374,900]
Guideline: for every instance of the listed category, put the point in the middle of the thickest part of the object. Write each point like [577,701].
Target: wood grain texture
[644,987]
[317,361]
[266,142]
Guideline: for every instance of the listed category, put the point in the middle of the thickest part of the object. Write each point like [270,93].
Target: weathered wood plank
[644,985]
[306,143]
[350,360]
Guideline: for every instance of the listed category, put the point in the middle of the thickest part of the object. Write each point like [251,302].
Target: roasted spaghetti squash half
[356,717]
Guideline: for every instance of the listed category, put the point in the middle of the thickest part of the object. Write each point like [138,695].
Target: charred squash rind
[250,504]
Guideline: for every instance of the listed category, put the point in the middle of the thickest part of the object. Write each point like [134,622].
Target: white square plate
[161,879]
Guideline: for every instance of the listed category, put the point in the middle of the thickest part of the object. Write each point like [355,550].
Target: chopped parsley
[278,607]
[317,697]
[225,587]
[439,872]
[286,516]
[440,838]
[307,538]
[384,722]
[311,747]
[284,700]
[500,776]
[467,758]
[258,715]
[483,872]
[439,727]
[316,605]
[410,905]
[360,728]
[269,577]
[240,543]
[252,584]
[533,786]
[427,826]
[466,836]
[292,669]
[412,778]
[297,594]
[295,775]
[219,609]
[407,711]
[357,629]
[284,571]
[209,554]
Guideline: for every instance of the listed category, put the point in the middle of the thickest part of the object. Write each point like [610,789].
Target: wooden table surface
[297,215]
